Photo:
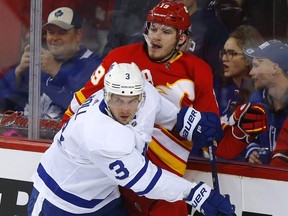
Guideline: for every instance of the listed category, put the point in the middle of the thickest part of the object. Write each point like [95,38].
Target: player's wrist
[198,195]
[187,120]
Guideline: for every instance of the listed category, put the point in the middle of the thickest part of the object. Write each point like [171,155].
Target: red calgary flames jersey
[184,80]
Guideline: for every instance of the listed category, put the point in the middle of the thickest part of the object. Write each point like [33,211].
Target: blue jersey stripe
[152,183]
[71,198]
[138,176]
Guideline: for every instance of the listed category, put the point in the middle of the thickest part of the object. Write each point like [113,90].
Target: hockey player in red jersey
[182,78]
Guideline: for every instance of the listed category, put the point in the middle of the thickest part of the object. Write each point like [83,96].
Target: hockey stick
[215,181]
[214,172]
[212,146]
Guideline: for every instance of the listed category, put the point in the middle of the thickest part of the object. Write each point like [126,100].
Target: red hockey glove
[248,121]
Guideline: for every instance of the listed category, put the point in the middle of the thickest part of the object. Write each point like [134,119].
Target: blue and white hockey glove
[198,127]
[209,202]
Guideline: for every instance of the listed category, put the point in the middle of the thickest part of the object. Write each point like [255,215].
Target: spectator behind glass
[237,84]
[208,35]
[66,66]
[270,76]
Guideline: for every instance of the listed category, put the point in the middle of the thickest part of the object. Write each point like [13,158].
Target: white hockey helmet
[123,79]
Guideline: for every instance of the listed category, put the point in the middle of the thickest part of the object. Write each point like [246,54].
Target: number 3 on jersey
[97,75]
[120,169]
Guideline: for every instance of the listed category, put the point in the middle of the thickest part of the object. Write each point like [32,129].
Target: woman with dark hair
[237,85]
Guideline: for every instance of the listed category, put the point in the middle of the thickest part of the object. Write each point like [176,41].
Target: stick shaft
[212,147]
[213,166]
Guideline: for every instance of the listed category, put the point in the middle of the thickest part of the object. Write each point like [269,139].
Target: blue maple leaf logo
[58,13]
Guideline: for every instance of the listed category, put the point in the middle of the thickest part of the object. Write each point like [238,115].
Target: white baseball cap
[65,18]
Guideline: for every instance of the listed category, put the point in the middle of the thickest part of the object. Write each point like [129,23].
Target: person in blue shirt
[65,65]
[270,76]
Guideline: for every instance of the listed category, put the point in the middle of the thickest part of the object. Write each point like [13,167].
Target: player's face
[262,73]
[234,63]
[63,44]
[162,41]
[123,108]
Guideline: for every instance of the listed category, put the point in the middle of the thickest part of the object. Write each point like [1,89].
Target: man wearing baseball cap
[273,50]
[65,66]
[270,76]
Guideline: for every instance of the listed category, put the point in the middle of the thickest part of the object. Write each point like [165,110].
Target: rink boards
[255,190]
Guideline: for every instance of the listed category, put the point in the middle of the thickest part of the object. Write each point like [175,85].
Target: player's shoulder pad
[114,138]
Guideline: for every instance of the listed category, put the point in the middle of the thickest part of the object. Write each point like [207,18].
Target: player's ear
[182,40]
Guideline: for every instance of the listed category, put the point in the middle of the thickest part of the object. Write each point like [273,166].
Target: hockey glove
[198,127]
[209,202]
[248,121]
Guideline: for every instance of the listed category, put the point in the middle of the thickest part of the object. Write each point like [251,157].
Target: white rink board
[248,194]
[18,165]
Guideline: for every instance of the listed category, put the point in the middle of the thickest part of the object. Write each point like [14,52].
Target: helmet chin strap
[147,40]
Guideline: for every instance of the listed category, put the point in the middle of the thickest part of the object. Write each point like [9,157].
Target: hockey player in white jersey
[103,146]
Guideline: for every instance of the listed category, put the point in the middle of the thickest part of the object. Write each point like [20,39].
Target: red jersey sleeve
[229,147]
[280,154]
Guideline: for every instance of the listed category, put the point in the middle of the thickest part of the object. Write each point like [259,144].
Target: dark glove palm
[209,202]
[217,205]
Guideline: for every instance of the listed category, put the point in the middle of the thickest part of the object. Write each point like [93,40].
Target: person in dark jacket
[65,65]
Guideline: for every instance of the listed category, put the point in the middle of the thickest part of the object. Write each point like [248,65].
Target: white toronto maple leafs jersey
[92,154]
